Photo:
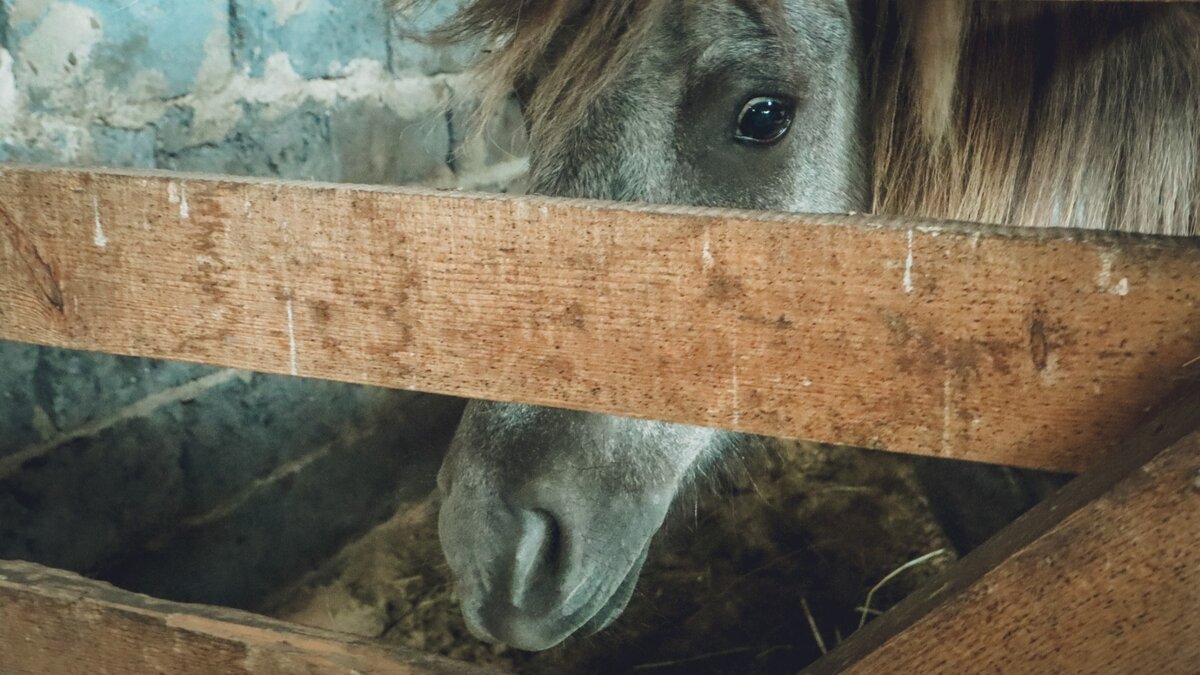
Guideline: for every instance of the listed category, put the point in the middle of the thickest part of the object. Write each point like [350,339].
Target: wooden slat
[1026,347]
[1102,578]
[53,621]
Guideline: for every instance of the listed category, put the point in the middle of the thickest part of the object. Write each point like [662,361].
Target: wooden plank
[1102,578]
[1027,347]
[53,621]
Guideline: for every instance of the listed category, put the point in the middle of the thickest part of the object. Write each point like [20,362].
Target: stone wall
[193,482]
[305,89]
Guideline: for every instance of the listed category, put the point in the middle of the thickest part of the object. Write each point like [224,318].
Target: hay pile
[735,583]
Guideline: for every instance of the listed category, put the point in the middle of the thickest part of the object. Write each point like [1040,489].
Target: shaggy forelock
[563,53]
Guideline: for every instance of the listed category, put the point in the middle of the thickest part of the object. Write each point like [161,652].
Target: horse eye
[764,120]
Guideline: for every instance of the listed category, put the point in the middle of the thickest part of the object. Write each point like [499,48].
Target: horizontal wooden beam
[53,621]
[1102,578]
[1027,347]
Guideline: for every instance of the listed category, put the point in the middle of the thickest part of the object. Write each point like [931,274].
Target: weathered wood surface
[57,622]
[1028,347]
[1102,578]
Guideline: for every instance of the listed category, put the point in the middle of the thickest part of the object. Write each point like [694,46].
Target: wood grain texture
[1102,578]
[57,622]
[1029,347]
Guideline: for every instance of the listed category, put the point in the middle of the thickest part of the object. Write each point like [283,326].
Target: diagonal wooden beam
[1102,578]
[52,621]
[1029,347]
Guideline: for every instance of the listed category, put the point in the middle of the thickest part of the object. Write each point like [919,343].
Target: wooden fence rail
[1100,578]
[55,622]
[1103,577]
[1030,347]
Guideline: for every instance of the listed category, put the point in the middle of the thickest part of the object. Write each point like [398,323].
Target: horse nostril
[537,557]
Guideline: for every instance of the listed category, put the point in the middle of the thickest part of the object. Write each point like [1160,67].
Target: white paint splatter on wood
[1104,277]
[291,329]
[1049,375]
[98,237]
[737,404]
[908,265]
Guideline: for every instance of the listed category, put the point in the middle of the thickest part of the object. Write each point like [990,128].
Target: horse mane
[520,34]
[1042,114]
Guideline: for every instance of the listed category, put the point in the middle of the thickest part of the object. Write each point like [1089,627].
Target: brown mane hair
[520,34]
[1067,114]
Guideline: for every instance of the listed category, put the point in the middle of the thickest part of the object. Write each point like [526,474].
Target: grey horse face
[547,514]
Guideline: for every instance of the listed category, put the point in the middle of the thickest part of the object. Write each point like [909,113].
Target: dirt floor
[746,575]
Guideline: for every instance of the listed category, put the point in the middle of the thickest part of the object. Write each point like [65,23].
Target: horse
[1064,114]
